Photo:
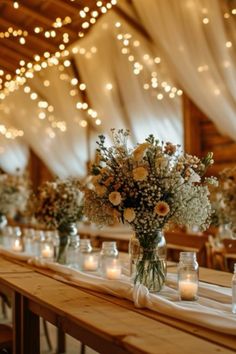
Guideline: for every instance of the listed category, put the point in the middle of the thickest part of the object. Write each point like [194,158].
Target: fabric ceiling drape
[199,44]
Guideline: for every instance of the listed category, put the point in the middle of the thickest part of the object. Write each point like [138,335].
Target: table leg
[61,341]
[26,333]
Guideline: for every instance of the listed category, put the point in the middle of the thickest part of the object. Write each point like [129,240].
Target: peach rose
[139,151]
[100,190]
[129,214]
[115,198]
[162,208]
[140,174]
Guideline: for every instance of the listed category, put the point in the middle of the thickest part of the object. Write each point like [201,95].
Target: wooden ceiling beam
[18,48]
[134,23]
[65,6]
[7,66]
[12,53]
[39,16]
[43,43]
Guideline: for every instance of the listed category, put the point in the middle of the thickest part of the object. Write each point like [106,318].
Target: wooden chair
[6,339]
[182,242]
[229,254]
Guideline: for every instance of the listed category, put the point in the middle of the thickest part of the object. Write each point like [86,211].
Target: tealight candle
[90,262]
[113,270]
[188,289]
[17,246]
[47,251]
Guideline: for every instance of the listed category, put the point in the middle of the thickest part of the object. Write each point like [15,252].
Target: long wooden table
[105,323]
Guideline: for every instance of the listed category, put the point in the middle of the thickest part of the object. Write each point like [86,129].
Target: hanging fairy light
[22,73]
[146,64]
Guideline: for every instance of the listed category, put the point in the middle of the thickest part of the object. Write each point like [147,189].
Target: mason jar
[108,252]
[85,249]
[188,276]
[72,251]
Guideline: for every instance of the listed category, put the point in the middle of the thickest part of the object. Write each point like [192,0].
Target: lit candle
[17,246]
[47,252]
[188,289]
[90,263]
[113,271]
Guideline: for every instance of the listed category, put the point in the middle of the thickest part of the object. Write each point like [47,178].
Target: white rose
[129,214]
[115,198]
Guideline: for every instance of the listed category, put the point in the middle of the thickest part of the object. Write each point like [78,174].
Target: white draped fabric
[127,105]
[202,56]
[13,152]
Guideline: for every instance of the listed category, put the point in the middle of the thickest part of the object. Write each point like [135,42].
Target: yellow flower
[129,214]
[115,198]
[140,174]
[162,208]
[100,190]
[139,151]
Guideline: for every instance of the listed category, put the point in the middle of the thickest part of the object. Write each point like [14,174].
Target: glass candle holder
[7,236]
[85,249]
[28,240]
[108,252]
[17,244]
[91,262]
[113,269]
[47,250]
[72,251]
[188,276]
[38,239]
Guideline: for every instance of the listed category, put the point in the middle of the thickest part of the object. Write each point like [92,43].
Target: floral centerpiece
[59,205]
[14,194]
[223,198]
[148,187]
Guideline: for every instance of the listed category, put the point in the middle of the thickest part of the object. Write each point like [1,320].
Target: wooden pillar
[38,171]
[201,136]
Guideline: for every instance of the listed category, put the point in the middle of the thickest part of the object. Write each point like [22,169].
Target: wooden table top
[111,320]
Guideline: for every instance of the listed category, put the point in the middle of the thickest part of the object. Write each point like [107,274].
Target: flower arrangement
[58,203]
[14,194]
[147,187]
[223,197]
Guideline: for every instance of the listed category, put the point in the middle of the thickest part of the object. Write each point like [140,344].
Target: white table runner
[212,309]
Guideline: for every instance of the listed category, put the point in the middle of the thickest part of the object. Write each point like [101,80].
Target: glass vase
[65,231]
[148,260]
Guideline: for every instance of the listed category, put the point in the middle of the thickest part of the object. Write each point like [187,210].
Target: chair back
[182,242]
[229,253]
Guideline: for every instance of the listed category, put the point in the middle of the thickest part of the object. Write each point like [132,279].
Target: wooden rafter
[7,66]
[18,48]
[37,40]
[39,16]
[11,53]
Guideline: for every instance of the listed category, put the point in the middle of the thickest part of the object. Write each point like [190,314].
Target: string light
[145,64]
